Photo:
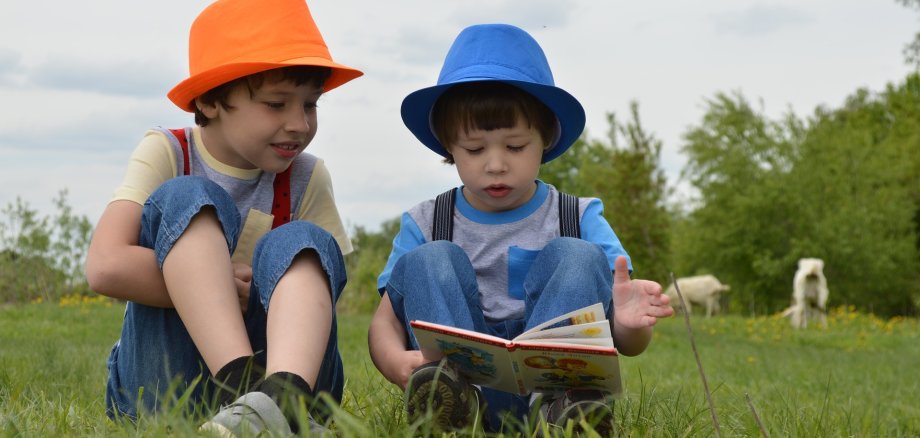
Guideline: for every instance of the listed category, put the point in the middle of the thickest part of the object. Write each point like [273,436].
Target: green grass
[857,377]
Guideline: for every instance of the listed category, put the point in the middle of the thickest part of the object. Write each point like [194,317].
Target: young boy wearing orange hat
[224,238]
[504,252]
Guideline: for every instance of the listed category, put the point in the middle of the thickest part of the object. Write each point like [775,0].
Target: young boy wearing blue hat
[224,238]
[498,255]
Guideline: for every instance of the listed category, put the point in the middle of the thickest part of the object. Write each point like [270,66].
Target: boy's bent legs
[199,277]
[567,275]
[436,283]
[156,352]
[298,275]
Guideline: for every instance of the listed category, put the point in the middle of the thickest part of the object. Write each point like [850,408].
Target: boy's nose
[496,163]
[297,120]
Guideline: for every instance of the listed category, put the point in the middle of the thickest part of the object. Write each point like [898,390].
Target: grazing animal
[703,290]
[809,294]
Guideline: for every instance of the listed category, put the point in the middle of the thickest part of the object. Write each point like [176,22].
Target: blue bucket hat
[502,53]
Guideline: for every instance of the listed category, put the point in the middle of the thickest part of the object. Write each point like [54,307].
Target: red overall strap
[183,141]
[281,202]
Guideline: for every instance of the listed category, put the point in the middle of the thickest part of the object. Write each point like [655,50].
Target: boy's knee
[186,196]
[279,248]
[439,262]
[183,188]
[171,208]
[433,254]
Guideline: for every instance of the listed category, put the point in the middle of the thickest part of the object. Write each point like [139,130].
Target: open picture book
[574,350]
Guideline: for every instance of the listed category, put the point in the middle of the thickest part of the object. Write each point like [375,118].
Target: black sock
[235,379]
[286,389]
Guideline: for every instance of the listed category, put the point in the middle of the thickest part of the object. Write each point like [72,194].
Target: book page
[599,330]
[592,313]
[554,370]
[482,359]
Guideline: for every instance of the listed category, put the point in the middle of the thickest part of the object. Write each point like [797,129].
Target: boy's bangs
[490,114]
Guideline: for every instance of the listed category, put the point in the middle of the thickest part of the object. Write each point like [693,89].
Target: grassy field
[857,377]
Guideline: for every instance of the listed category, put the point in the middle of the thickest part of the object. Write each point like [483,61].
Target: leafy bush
[42,256]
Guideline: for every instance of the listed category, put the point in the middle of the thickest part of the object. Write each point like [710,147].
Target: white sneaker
[250,415]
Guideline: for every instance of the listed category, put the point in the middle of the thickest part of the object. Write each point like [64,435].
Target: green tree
[864,158]
[840,186]
[740,230]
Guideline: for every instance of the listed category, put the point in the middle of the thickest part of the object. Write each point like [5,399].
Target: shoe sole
[596,414]
[220,430]
[446,397]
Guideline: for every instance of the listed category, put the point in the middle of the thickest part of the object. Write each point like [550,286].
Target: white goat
[809,294]
[702,289]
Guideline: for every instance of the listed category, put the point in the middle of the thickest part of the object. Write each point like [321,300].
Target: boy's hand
[403,364]
[242,277]
[637,303]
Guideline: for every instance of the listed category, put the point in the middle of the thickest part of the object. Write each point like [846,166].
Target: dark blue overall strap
[442,228]
[569,223]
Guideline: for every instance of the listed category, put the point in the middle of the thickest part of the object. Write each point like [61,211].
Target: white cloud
[760,19]
[141,78]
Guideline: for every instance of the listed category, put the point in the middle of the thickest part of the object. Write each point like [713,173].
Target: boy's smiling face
[266,130]
[498,167]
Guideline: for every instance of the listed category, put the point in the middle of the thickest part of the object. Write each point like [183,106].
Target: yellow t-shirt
[154,161]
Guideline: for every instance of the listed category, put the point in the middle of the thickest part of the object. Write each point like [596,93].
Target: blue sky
[81,81]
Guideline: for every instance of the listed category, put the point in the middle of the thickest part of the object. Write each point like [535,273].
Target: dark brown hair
[298,74]
[488,106]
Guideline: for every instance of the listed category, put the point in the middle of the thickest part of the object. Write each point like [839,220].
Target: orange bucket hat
[235,38]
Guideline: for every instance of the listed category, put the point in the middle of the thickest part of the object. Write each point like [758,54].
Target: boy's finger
[621,270]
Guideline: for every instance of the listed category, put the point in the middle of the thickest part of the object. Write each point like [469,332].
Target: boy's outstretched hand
[637,303]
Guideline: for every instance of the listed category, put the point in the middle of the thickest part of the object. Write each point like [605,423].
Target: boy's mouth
[286,150]
[498,190]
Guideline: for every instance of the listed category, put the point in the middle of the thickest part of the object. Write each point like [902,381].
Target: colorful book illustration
[574,350]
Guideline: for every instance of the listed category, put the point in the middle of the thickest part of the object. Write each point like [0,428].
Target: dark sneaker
[593,406]
[436,387]
[253,414]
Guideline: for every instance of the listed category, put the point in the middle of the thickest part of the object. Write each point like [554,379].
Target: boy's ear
[210,110]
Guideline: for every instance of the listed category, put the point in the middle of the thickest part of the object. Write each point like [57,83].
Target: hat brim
[416,113]
[184,94]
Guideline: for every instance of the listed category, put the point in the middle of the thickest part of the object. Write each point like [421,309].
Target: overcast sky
[81,81]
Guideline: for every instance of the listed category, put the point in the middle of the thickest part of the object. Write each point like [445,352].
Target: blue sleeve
[409,237]
[595,228]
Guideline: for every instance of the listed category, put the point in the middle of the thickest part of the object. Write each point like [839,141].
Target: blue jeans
[155,361]
[436,282]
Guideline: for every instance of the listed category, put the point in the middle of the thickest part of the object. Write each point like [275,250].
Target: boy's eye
[514,148]
[473,151]
[275,105]
[310,105]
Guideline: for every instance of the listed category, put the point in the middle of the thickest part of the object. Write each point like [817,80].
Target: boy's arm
[386,340]
[637,305]
[116,266]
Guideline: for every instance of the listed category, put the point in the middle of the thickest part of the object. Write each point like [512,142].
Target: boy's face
[266,130]
[498,167]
